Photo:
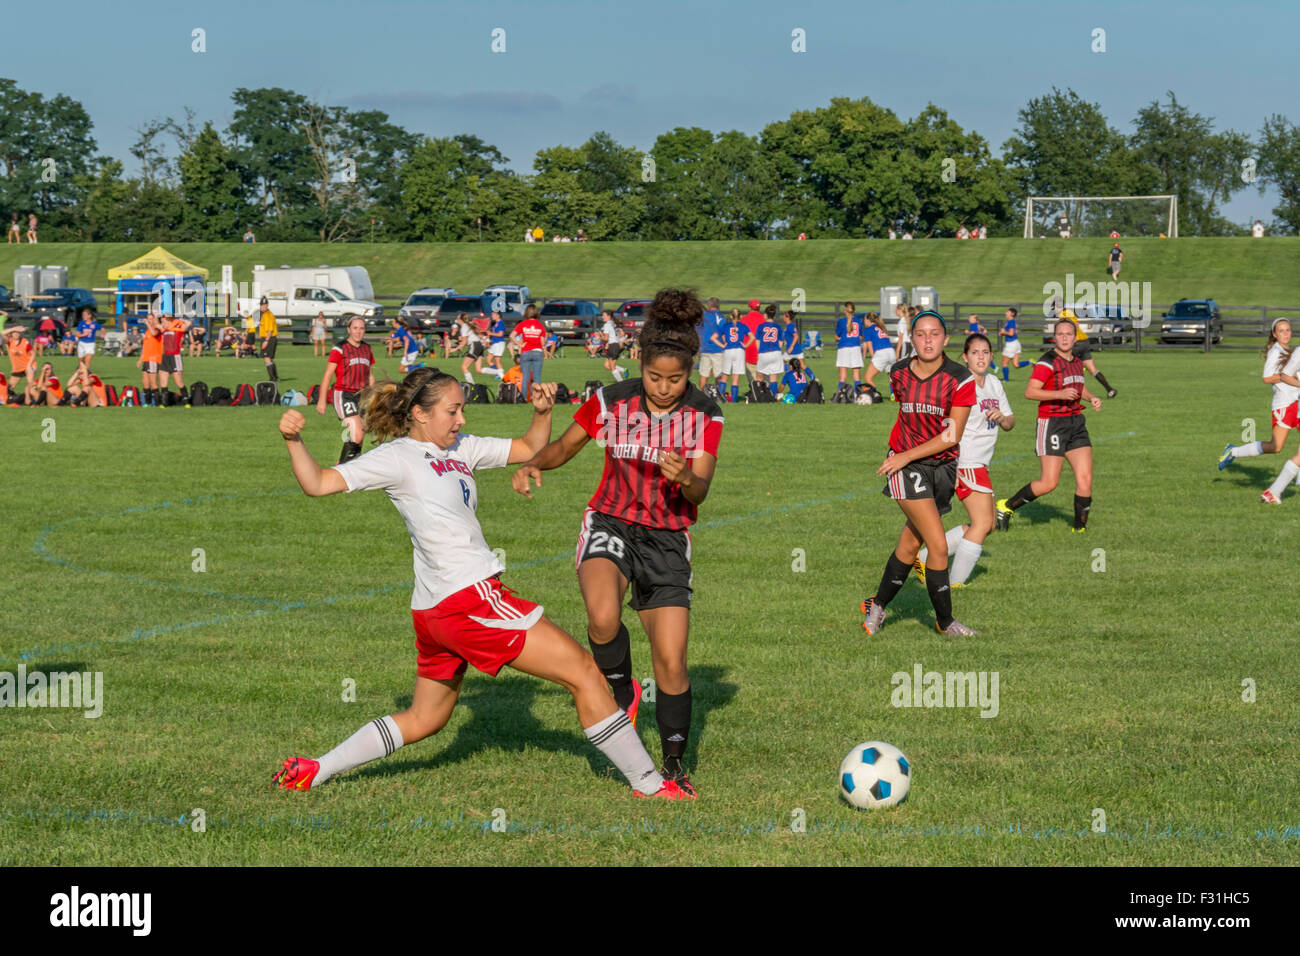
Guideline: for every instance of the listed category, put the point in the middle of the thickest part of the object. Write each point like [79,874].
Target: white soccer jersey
[981,435]
[434,490]
[613,334]
[1283,394]
[903,334]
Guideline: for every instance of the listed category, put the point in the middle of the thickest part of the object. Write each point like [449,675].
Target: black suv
[64,304]
[1187,320]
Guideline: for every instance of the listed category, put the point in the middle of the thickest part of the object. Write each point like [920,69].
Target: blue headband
[929,312]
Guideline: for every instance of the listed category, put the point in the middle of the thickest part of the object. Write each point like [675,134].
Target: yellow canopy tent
[157,262]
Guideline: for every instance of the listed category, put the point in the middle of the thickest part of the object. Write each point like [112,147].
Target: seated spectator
[67,345]
[44,389]
[197,337]
[595,343]
[43,342]
[963,233]
[552,345]
[85,388]
[395,338]
[797,379]
[227,338]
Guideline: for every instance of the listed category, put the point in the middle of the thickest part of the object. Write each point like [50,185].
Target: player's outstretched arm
[553,455]
[313,479]
[539,431]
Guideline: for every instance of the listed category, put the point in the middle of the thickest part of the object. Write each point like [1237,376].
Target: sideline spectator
[531,335]
[712,346]
[198,335]
[907,235]
[962,233]
[68,345]
[538,235]
[131,343]
[44,389]
[1116,258]
[15,231]
[752,320]
[318,335]
[892,234]
[31,227]
[1257,230]
[150,362]
[227,338]
[268,329]
[983,232]
[248,235]
[249,344]
[528,236]
[20,354]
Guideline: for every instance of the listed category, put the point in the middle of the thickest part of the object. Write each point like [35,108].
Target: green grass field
[1120,689]
[1239,272]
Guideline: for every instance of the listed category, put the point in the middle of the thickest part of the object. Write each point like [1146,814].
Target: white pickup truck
[306,301]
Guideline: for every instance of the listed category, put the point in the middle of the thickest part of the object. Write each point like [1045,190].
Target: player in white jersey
[991,414]
[903,348]
[1282,371]
[462,612]
[613,346]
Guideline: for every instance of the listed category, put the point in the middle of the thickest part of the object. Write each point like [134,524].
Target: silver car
[421,306]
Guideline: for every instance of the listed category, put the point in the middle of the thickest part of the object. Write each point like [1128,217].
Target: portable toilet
[27,282]
[891,297]
[925,297]
[54,277]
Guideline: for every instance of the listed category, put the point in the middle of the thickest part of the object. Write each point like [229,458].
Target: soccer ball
[875,775]
[864,398]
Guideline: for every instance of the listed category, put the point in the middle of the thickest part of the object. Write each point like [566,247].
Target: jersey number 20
[604,541]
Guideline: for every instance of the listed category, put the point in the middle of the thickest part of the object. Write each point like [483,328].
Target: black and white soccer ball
[875,775]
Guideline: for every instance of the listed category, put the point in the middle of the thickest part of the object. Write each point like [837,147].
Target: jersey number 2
[918,485]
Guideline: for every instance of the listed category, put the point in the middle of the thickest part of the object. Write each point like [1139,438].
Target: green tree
[271,145]
[677,200]
[1279,168]
[215,208]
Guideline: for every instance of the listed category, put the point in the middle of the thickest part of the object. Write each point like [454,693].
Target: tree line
[294,170]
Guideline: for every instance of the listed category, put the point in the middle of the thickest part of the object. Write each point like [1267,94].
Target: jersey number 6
[604,541]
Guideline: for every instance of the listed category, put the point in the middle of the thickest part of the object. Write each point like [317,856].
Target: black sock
[271,370]
[1021,497]
[1081,508]
[892,580]
[350,450]
[673,714]
[1102,378]
[936,582]
[615,661]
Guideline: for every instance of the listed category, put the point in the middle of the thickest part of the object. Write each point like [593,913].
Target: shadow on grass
[501,718]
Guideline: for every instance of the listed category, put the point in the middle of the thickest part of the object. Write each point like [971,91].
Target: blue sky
[639,67]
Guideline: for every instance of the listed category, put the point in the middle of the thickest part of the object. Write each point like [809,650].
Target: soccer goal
[1083,216]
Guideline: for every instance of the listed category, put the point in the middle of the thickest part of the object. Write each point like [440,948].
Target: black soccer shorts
[924,479]
[656,561]
[1060,434]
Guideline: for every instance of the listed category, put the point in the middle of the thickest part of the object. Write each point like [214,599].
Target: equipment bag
[220,395]
[591,388]
[759,391]
[812,393]
[244,395]
[562,394]
[199,394]
[479,394]
[509,394]
[130,396]
[268,393]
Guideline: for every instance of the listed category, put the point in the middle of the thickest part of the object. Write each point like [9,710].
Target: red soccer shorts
[483,624]
[973,479]
[1288,417]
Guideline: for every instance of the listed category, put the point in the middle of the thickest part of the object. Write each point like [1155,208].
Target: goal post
[1100,215]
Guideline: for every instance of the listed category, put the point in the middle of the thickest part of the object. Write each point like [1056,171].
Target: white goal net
[1099,216]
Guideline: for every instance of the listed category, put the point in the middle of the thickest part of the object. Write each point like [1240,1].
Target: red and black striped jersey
[1055,373]
[352,365]
[632,488]
[925,404]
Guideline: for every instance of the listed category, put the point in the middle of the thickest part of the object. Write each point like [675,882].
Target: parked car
[512,298]
[570,318]
[63,305]
[631,315]
[1103,324]
[1186,322]
[475,308]
[7,302]
[421,307]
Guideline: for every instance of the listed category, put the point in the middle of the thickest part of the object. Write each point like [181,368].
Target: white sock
[1289,472]
[952,537]
[968,552]
[469,377]
[1251,450]
[379,738]
[617,740]
[617,372]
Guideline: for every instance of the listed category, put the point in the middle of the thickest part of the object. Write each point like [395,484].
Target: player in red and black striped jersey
[934,396]
[660,434]
[354,365]
[1056,383]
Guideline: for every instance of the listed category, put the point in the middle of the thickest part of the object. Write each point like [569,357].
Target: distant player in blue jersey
[848,347]
[973,326]
[85,334]
[712,346]
[734,333]
[496,344]
[409,348]
[1010,336]
[791,343]
[881,349]
[768,335]
[796,380]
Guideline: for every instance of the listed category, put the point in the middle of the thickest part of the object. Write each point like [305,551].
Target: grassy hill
[1235,271]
